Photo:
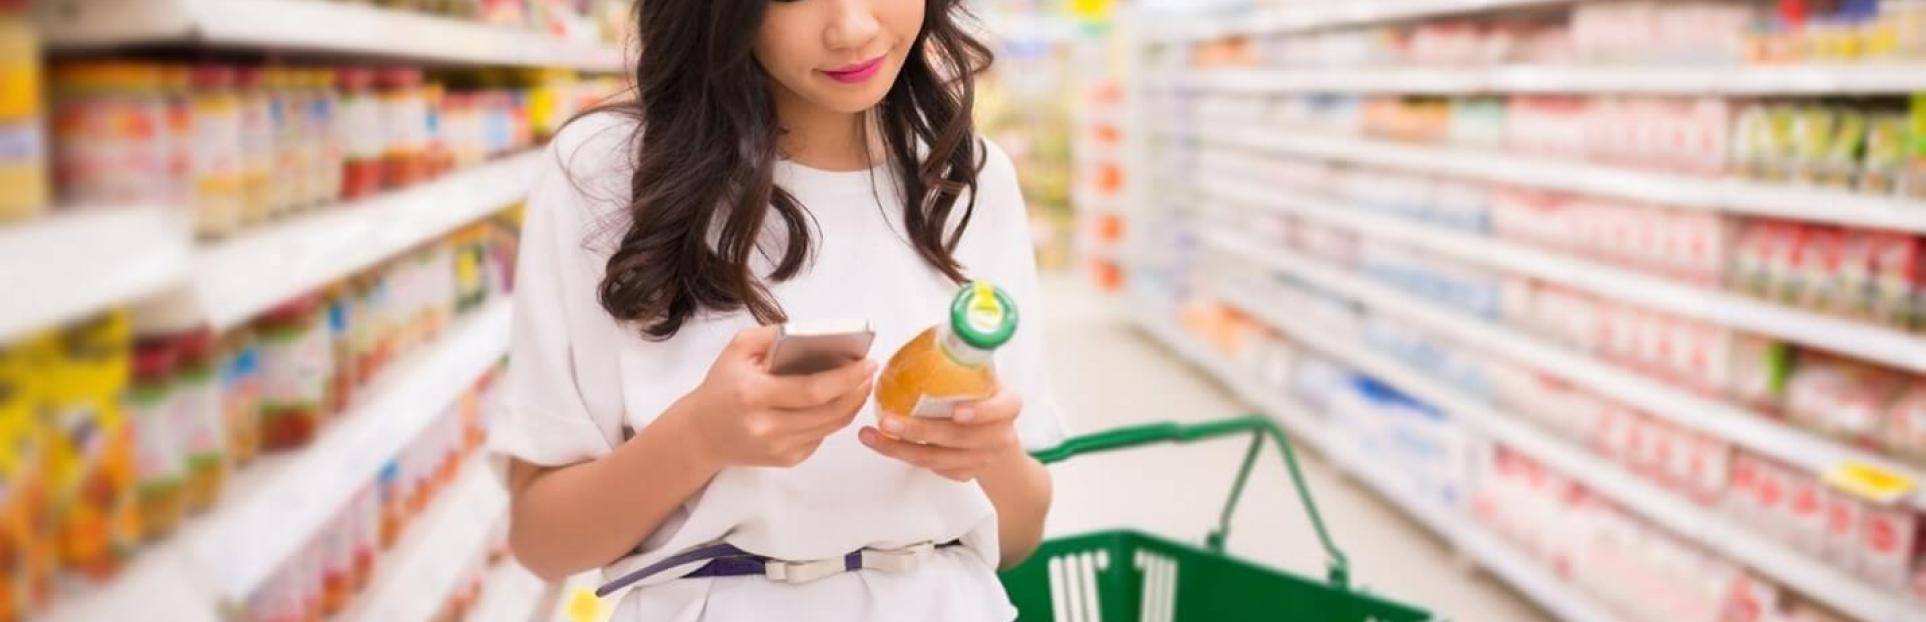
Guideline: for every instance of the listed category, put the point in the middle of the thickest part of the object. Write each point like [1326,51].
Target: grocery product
[91,455]
[162,465]
[404,112]
[201,419]
[258,157]
[23,151]
[219,167]
[361,133]
[107,125]
[295,363]
[949,363]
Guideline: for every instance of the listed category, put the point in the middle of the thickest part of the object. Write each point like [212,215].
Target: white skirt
[954,585]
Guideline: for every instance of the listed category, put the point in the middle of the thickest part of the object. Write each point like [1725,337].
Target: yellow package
[91,451]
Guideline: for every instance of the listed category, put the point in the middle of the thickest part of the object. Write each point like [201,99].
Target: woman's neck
[820,138]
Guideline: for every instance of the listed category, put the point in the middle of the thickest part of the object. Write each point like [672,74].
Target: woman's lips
[859,72]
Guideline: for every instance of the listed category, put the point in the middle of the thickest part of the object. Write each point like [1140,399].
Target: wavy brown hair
[707,150]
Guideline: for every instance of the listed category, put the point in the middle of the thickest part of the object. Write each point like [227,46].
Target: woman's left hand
[980,436]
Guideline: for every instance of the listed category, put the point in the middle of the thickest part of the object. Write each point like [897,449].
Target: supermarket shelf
[275,506]
[1858,339]
[243,277]
[1694,523]
[312,26]
[1756,432]
[269,520]
[1707,193]
[1523,573]
[54,270]
[1311,15]
[1736,80]
[511,593]
[436,553]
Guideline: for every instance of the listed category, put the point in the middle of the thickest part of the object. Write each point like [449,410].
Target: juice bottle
[23,149]
[296,359]
[952,362]
[162,467]
[202,418]
[219,175]
[91,447]
[241,394]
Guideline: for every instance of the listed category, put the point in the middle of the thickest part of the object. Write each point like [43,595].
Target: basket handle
[1258,426]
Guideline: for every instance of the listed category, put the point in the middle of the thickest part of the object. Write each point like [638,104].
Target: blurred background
[1592,310]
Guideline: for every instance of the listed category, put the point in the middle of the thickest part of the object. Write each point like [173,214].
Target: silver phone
[808,347]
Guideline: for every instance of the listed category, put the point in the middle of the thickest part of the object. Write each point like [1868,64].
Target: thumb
[754,341]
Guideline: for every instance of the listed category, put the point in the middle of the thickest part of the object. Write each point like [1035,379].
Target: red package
[1806,510]
[1906,421]
[1843,516]
[1821,286]
[1896,279]
[1888,539]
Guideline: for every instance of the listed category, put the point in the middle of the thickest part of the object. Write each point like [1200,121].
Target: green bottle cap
[983,316]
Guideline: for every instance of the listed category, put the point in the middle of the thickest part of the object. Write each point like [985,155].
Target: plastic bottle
[287,102]
[257,145]
[405,111]
[177,97]
[91,455]
[162,467]
[241,394]
[951,362]
[220,194]
[107,134]
[202,419]
[359,132]
[323,113]
[295,362]
[23,148]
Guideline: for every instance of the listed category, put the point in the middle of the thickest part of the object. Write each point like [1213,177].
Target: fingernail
[892,425]
[867,436]
[964,415]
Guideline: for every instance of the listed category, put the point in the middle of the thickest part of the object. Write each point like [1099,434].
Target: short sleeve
[561,403]
[1002,250]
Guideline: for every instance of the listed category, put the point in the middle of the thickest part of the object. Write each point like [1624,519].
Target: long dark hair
[706,153]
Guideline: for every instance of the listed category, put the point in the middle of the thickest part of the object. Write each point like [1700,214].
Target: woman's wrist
[682,429]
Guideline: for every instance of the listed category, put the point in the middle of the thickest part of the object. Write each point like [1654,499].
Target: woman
[784,159]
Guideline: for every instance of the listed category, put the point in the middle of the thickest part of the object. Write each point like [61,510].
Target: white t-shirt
[578,377]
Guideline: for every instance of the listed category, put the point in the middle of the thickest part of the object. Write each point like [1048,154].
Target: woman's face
[838,55]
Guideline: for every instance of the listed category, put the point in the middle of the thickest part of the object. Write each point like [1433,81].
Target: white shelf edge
[1692,523]
[433,557]
[1712,79]
[1753,431]
[1526,575]
[1732,195]
[240,278]
[54,270]
[313,26]
[1843,336]
[1310,15]
[248,538]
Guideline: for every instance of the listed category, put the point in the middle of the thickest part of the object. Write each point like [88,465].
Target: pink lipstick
[857,73]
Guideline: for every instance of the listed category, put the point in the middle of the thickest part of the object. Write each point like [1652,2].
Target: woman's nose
[852,26]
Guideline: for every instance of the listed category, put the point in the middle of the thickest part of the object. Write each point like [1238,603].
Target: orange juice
[952,362]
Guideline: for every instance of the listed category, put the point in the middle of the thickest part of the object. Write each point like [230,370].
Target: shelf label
[1869,482]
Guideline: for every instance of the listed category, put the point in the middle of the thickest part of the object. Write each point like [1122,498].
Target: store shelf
[1528,576]
[1691,522]
[68,265]
[240,278]
[511,593]
[1676,190]
[1853,338]
[311,26]
[276,505]
[1312,15]
[434,556]
[1686,79]
[1756,432]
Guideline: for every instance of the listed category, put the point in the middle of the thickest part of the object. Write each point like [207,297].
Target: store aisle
[1107,375]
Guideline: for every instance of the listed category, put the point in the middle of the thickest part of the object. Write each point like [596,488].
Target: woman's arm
[567,519]
[573,518]
[1019,487]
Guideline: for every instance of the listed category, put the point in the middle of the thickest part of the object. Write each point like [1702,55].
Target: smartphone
[809,347]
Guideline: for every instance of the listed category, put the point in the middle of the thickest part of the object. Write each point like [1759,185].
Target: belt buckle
[898,560]
[801,572]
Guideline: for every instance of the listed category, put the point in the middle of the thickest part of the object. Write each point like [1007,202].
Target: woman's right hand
[746,416]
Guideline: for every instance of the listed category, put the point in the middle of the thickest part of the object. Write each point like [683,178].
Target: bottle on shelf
[952,362]
[23,151]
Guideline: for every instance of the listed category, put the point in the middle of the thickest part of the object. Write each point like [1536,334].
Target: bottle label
[933,407]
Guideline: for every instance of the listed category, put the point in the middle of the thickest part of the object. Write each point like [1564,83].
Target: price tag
[1869,482]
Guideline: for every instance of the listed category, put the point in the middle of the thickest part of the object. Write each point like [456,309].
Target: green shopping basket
[1128,575]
